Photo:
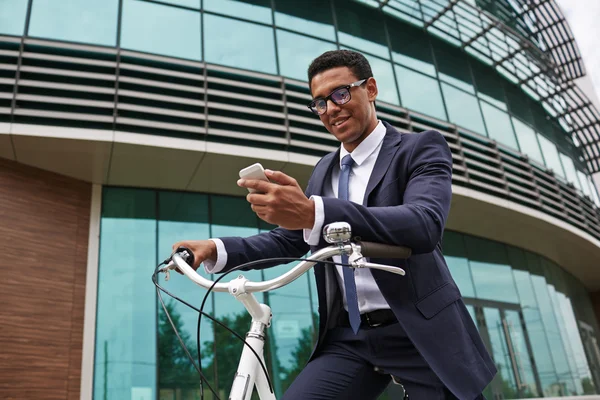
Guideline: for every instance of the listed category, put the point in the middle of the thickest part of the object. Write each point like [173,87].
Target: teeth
[340,122]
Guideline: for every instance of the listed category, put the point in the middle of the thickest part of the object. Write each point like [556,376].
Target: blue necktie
[349,282]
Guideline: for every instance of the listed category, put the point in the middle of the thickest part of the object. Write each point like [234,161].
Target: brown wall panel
[44,227]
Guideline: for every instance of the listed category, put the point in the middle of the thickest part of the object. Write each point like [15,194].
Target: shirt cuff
[313,236]
[213,267]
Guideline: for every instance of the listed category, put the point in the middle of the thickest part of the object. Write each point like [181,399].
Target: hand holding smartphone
[255,171]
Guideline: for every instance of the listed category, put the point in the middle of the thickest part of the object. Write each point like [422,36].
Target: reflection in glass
[570,170]
[564,382]
[410,46]
[463,109]
[500,352]
[185,3]
[182,216]
[528,142]
[300,16]
[583,375]
[360,27]
[551,155]
[584,183]
[86,21]
[452,66]
[461,273]
[256,10]
[126,309]
[159,29]
[384,75]
[12,17]
[498,125]
[239,44]
[526,386]
[420,93]
[296,52]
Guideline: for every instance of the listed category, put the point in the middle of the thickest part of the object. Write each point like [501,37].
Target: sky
[583,17]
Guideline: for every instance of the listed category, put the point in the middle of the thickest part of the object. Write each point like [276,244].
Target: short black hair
[357,63]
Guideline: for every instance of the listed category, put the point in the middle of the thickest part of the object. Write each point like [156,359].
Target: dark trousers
[345,368]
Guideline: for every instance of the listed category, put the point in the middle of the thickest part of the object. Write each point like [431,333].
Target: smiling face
[352,122]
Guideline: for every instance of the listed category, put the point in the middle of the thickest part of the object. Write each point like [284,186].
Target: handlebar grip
[379,250]
[186,255]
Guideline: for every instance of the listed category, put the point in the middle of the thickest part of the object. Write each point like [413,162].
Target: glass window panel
[552,332]
[453,66]
[159,29]
[541,351]
[569,367]
[420,93]
[384,75]
[500,352]
[498,125]
[594,191]
[256,10]
[463,109]
[301,16]
[459,268]
[570,170]
[239,44]
[582,371]
[551,155]
[490,85]
[184,3]
[182,216]
[524,367]
[12,16]
[456,258]
[362,27]
[583,183]
[87,21]
[492,274]
[528,142]
[410,46]
[519,104]
[296,52]
[126,309]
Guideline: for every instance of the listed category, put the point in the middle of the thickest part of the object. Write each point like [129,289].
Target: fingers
[259,186]
[281,178]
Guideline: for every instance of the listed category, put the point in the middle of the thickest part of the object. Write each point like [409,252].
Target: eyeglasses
[339,96]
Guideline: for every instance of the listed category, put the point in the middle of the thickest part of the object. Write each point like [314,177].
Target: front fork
[249,372]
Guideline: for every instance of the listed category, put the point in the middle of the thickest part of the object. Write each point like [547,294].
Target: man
[392,188]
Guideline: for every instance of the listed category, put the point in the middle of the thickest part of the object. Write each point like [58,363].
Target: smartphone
[255,171]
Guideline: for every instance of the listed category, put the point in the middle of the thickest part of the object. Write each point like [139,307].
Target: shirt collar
[367,146]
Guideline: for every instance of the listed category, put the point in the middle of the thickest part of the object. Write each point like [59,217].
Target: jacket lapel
[323,171]
[390,146]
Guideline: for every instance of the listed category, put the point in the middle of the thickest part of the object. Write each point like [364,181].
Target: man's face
[350,123]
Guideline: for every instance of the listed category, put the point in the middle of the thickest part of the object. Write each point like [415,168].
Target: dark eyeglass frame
[312,105]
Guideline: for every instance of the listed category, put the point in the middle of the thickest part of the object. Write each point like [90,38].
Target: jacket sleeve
[418,223]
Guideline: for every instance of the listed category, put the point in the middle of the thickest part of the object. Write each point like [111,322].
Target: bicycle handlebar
[357,253]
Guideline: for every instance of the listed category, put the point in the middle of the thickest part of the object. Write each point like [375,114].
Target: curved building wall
[233,72]
[529,311]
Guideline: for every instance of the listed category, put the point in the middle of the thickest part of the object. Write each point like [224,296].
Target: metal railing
[51,83]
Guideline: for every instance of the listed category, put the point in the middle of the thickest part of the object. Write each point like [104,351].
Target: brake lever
[357,260]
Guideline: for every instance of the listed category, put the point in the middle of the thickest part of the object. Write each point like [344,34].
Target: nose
[332,108]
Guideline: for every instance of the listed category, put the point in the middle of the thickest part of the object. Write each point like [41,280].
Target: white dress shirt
[364,156]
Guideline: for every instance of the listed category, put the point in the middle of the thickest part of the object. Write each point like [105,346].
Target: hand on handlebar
[202,249]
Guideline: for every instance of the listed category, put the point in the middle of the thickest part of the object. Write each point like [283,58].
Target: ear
[372,89]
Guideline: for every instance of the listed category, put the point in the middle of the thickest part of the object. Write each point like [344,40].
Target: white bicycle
[251,372]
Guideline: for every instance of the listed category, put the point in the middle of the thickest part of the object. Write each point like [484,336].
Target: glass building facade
[535,318]
[414,69]
[530,312]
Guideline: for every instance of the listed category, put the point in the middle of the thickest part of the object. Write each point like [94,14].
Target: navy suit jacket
[406,203]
